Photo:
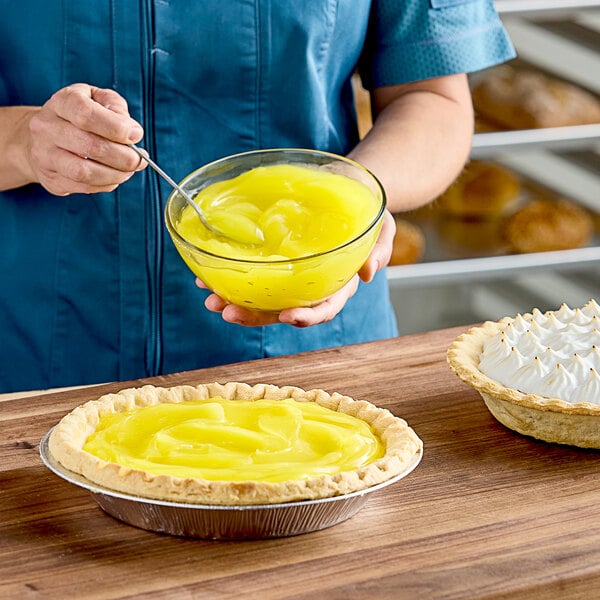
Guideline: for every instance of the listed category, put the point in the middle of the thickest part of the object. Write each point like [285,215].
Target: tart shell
[548,419]
[69,436]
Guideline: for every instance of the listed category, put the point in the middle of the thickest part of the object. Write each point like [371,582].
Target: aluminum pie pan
[216,522]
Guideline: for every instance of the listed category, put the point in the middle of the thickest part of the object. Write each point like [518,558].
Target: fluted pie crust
[402,447]
[548,419]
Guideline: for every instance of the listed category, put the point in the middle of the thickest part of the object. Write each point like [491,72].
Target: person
[92,288]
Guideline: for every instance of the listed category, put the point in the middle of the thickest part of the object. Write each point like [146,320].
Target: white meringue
[591,309]
[590,391]
[555,354]
[531,376]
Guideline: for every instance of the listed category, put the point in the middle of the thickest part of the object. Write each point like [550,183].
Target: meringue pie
[233,444]
[538,373]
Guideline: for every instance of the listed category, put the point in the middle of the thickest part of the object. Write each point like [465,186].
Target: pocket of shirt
[448,3]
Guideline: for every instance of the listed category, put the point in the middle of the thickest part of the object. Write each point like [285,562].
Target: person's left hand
[320,313]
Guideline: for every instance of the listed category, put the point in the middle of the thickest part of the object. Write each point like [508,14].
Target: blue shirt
[92,288]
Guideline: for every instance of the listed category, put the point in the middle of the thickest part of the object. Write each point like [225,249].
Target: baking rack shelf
[550,156]
[535,7]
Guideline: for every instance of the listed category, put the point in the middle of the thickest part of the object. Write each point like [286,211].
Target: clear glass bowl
[274,285]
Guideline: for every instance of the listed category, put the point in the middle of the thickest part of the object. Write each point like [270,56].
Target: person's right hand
[78,141]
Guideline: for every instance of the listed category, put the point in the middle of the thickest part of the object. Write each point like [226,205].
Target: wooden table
[487,514]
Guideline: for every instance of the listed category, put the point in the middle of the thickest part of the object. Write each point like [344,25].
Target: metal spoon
[143,154]
[239,228]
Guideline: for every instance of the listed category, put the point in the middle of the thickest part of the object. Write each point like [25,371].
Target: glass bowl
[274,282]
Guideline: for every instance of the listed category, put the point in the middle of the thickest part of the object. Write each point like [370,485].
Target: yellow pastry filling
[279,212]
[236,440]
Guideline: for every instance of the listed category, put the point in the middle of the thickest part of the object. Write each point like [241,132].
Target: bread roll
[483,190]
[409,243]
[468,239]
[545,225]
[526,99]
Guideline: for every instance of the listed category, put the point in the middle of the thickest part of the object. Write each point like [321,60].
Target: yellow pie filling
[282,211]
[236,440]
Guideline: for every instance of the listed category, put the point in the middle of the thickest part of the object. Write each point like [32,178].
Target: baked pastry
[526,99]
[409,243]
[483,190]
[233,444]
[544,225]
[538,373]
[463,238]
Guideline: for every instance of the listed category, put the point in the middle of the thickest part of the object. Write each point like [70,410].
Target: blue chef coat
[91,287]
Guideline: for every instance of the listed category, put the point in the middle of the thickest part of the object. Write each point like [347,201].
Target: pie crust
[544,418]
[402,447]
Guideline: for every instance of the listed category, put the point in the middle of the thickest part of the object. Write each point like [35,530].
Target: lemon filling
[236,440]
[287,211]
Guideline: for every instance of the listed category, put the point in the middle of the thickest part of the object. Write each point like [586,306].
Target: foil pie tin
[216,522]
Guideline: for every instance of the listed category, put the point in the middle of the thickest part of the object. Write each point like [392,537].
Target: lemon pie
[538,373]
[233,444]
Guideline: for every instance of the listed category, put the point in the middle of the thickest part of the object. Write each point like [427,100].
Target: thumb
[382,251]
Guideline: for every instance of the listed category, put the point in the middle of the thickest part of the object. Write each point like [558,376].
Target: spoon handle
[143,154]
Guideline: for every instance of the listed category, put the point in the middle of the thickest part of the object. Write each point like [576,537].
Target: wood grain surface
[487,514]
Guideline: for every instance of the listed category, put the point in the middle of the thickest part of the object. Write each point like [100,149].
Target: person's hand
[78,141]
[326,310]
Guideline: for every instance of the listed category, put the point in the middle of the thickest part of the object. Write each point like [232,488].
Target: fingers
[323,312]
[382,251]
[239,315]
[78,141]
[93,110]
[111,100]
[298,317]
[68,173]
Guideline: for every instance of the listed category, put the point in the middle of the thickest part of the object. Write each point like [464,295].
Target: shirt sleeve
[410,40]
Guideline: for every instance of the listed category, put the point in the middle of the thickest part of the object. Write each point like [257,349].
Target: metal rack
[537,7]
